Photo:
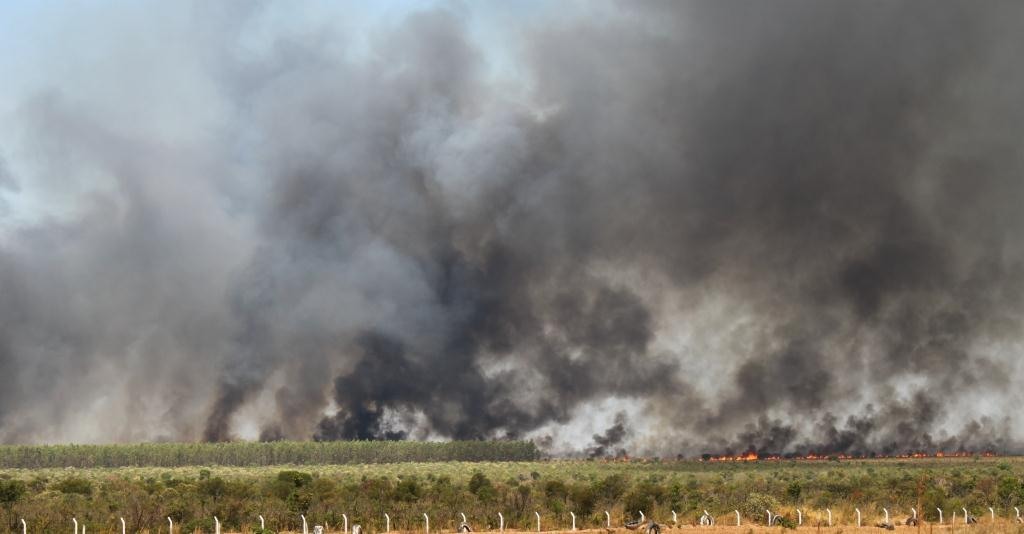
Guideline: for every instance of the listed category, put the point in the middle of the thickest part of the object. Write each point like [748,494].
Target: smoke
[788,226]
[612,437]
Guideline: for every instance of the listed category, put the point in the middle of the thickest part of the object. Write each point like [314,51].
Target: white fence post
[387,522]
[829,510]
[123,526]
[216,525]
[858,517]
[263,526]
[426,522]
[608,519]
[538,520]
[170,525]
[737,517]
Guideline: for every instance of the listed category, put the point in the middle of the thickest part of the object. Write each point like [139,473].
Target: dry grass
[999,527]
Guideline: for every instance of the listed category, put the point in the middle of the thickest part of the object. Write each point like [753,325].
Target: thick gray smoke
[791,226]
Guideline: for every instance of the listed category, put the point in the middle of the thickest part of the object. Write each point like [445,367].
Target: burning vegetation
[752,456]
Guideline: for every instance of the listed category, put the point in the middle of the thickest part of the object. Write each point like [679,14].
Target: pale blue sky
[67,46]
[29,26]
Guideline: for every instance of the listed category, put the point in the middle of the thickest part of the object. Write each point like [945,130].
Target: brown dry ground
[999,527]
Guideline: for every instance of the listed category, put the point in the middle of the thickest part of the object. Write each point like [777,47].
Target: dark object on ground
[646,527]
[912,522]
[465,528]
[886,526]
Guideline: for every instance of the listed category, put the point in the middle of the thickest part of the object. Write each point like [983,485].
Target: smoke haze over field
[664,227]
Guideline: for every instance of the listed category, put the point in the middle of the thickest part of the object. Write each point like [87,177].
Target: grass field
[145,496]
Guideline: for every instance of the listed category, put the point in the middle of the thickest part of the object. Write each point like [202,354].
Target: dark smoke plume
[612,438]
[787,226]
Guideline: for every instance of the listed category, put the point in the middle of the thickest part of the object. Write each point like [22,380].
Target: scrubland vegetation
[144,496]
[259,454]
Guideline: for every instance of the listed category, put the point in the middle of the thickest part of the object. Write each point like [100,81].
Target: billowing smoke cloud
[789,226]
[605,444]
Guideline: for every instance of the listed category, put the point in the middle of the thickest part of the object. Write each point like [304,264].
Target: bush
[756,504]
[793,491]
[408,490]
[11,491]
[481,486]
[643,498]
[213,488]
[556,490]
[611,487]
[74,485]
[584,499]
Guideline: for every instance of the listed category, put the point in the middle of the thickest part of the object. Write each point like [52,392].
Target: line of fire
[754,456]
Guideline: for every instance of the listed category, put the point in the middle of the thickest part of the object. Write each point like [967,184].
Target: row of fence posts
[773,518]
[705,520]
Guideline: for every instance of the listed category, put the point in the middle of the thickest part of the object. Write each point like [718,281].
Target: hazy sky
[57,46]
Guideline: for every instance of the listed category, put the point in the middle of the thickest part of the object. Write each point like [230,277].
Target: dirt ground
[983,528]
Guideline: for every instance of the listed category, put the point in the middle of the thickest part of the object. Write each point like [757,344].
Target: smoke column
[791,226]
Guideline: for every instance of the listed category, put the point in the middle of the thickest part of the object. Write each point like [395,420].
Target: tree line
[262,453]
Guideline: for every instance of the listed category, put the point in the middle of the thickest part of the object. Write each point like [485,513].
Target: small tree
[757,503]
[11,491]
[794,490]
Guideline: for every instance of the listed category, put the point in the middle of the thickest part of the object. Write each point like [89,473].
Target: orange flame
[753,456]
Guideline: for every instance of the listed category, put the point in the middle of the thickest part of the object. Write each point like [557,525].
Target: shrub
[793,491]
[11,491]
[756,504]
[74,485]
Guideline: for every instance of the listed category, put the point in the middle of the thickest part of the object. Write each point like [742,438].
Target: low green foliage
[145,496]
[11,491]
[74,485]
